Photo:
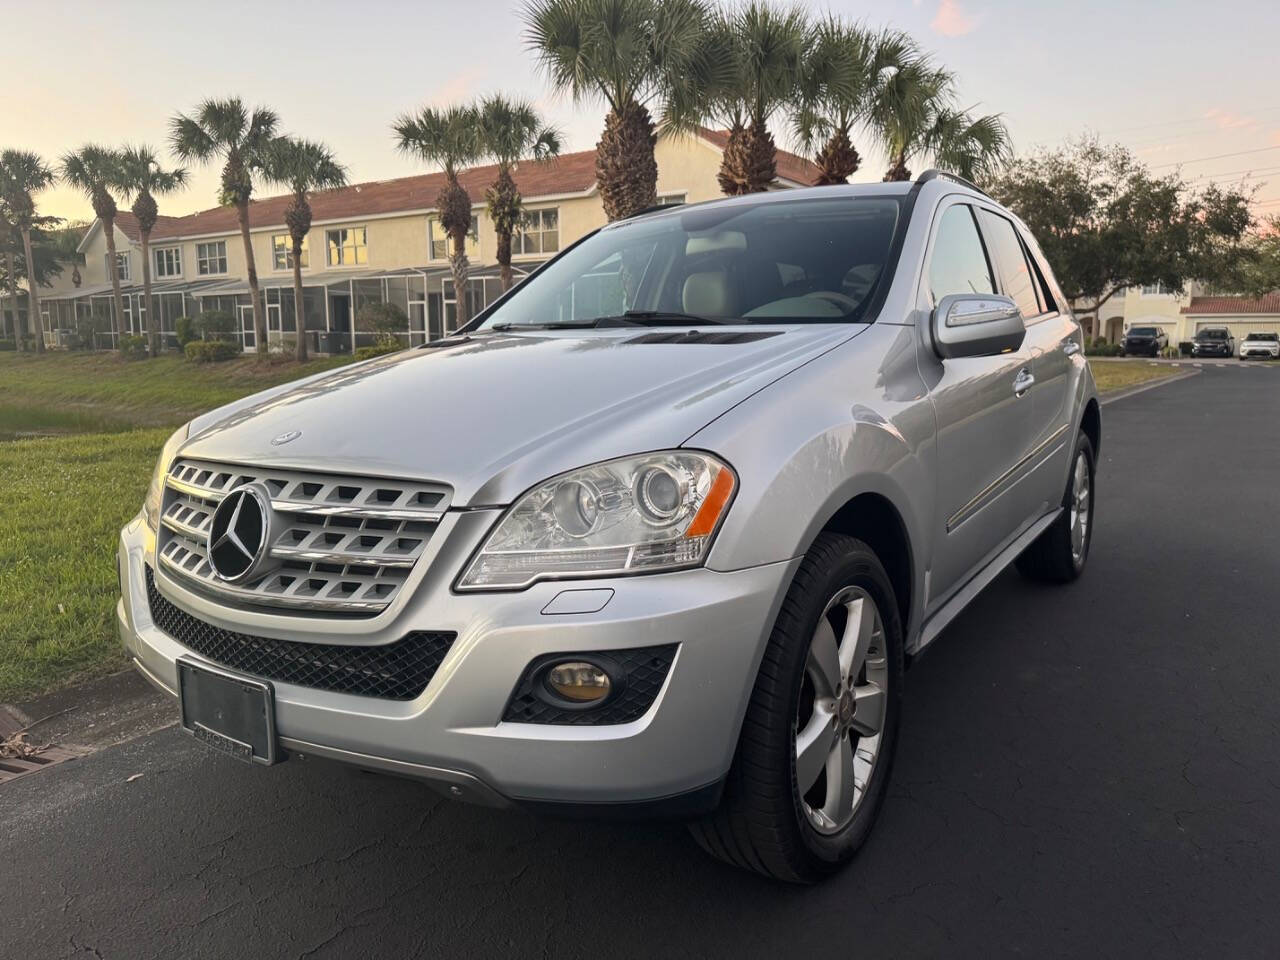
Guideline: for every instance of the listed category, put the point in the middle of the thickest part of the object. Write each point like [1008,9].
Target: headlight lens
[656,511]
[151,506]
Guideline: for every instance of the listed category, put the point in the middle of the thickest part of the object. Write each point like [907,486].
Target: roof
[1268,303]
[570,173]
[790,167]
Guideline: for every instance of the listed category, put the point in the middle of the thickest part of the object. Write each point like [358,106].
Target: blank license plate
[228,712]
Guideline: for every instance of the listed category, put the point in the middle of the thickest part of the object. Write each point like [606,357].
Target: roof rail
[936,174]
[653,209]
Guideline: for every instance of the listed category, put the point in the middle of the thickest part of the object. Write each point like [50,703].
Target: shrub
[186,329]
[377,350]
[215,325]
[384,320]
[133,347]
[8,345]
[211,351]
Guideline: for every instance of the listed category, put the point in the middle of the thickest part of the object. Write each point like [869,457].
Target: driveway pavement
[1083,771]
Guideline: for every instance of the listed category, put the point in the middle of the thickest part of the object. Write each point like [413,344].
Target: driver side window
[958,263]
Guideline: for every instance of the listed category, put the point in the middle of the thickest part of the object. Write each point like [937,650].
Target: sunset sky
[1179,83]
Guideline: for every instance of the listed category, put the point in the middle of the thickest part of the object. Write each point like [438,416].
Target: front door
[983,415]
[247,334]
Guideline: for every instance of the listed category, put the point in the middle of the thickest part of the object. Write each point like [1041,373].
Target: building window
[347,246]
[439,240]
[211,258]
[282,252]
[122,265]
[670,199]
[168,261]
[1153,290]
[538,232]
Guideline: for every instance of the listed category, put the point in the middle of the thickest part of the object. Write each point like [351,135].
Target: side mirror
[976,325]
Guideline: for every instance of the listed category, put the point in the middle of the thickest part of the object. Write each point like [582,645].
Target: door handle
[1070,348]
[1023,382]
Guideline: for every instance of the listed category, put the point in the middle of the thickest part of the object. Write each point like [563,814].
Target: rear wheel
[1059,554]
[812,764]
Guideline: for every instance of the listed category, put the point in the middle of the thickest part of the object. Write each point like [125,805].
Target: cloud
[952,20]
[1226,120]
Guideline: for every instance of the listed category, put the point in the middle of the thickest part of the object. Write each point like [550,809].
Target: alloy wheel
[841,715]
[1080,492]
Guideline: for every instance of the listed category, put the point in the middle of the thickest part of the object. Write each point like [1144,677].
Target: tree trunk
[838,160]
[153,327]
[33,296]
[898,173]
[255,295]
[626,170]
[13,293]
[460,267]
[749,163]
[109,228]
[504,203]
[299,307]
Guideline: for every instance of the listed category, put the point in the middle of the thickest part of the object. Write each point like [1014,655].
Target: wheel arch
[872,518]
[1091,424]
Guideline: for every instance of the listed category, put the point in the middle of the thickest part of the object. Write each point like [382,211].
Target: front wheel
[1059,554]
[813,759]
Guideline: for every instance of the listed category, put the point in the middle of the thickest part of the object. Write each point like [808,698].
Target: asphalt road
[1083,771]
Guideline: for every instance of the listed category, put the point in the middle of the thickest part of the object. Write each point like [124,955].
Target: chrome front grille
[344,544]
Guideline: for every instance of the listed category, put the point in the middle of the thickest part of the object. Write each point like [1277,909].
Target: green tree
[226,130]
[24,174]
[510,131]
[637,56]
[302,166]
[1260,271]
[977,148]
[450,138]
[98,172]
[766,49]
[144,179]
[905,110]
[1106,222]
[386,321]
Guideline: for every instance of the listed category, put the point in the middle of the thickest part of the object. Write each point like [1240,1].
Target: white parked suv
[657,532]
[1262,345]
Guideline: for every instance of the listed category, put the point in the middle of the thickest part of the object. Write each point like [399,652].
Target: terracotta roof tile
[1269,303]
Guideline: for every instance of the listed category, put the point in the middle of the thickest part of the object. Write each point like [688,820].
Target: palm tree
[905,111]
[511,130]
[24,175]
[98,172]
[10,239]
[767,47]
[144,179]
[975,148]
[842,71]
[226,130]
[302,166]
[635,55]
[448,137]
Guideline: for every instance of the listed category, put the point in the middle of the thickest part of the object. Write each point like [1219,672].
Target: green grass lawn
[1112,375]
[64,497]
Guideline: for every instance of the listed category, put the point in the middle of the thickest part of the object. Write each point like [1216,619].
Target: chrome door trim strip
[996,486]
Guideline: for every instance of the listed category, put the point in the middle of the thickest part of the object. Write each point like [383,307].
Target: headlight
[656,511]
[151,506]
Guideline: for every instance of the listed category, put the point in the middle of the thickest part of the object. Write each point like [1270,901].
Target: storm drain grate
[11,768]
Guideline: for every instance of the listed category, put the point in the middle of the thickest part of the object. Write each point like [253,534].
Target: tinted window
[768,262]
[1011,263]
[958,263]
[1145,332]
[1263,336]
[1213,334]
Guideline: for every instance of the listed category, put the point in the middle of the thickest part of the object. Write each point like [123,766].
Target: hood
[493,414]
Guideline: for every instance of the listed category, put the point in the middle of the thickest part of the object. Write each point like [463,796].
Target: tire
[764,823]
[1053,557]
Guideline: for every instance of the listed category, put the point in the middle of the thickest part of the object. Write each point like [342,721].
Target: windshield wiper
[570,325]
[667,318]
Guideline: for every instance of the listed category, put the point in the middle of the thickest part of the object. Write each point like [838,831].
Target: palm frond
[141,173]
[510,130]
[448,137]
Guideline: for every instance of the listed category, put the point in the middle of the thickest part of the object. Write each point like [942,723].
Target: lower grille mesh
[395,671]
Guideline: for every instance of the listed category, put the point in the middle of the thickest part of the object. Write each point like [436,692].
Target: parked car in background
[1145,342]
[1214,342]
[1263,345]
[709,478]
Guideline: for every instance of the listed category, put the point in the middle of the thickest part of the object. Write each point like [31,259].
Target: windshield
[1213,334]
[1263,336]
[1143,332]
[801,261]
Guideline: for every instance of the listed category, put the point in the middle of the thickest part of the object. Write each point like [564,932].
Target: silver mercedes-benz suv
[656,532]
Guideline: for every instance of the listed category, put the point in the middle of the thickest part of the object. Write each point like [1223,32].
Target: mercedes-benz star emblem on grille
[285,438]
[238,533]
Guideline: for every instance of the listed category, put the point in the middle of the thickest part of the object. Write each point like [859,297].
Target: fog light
[578,682]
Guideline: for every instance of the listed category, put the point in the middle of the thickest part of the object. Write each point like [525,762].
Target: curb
[1144,387]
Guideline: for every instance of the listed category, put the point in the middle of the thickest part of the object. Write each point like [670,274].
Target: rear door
[1052,341]
[984,425]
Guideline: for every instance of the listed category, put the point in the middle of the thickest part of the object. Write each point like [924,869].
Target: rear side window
[1011,262]
[959,263]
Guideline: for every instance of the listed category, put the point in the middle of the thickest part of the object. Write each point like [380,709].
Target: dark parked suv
[1214,342]
[1145,341]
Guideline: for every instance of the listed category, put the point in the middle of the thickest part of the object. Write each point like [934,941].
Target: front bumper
[452,735]
[1250,352]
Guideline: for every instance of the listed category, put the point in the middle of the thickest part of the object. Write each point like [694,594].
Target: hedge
[211,351]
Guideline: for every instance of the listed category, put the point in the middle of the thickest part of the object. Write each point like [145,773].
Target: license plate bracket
[229,712]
